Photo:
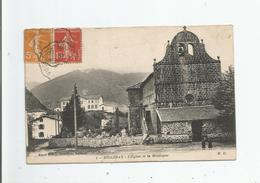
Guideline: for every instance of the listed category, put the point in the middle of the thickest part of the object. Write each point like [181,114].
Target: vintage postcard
[131,94]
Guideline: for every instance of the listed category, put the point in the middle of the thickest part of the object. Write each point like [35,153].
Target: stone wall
[168,139]
[176,128]
[134,119]
[115,141]
[134,96]
[135,110]
[174,81]
[182,73]
[182,131]
[95,142]
[176,93]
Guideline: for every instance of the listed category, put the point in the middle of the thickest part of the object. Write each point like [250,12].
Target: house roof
[65,98]
[91,96]
[36,110]
[147,78]
[54,117]
[187,113]
[87,97]
[141,84]
[136,86]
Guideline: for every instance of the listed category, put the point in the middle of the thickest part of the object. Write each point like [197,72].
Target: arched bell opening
[181,49]
[190,49]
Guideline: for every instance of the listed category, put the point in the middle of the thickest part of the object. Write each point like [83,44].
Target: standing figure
[203,144]
[210,144]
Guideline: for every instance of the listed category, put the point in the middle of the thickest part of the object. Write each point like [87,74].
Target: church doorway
[196,127]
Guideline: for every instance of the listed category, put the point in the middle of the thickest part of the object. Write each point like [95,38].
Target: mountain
[32,103]
[111,85]
[31,85]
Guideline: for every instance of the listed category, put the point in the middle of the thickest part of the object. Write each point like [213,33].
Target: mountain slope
[32,103]
[111,85]
[31,85]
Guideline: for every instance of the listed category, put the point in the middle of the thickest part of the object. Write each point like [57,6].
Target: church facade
[175,99]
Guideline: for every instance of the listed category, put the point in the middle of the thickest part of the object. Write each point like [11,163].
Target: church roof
[193,50]
[185,36]
[187,113]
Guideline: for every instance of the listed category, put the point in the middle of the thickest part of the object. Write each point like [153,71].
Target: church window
[189,98]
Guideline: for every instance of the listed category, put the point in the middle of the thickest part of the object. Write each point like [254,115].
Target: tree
[224,99]
[68,114]
[115,122]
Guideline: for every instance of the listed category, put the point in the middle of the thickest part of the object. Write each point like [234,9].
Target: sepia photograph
[129,94]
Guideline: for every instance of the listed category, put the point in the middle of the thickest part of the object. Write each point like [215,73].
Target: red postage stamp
[67,47]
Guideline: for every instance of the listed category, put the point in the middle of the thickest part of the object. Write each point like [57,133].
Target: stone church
[175,99]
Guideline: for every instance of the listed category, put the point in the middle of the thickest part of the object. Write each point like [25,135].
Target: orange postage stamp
[38,45]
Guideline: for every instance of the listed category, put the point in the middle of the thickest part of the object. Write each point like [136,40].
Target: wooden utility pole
[75,116]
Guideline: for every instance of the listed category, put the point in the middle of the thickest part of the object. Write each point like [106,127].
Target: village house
[88,102]
[45,127]
[35,113]
[175,100]
[91,103]
[63,102]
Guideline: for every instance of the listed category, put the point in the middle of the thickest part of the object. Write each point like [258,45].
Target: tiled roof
[187,113]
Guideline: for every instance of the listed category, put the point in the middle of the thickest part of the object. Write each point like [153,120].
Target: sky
[132,49]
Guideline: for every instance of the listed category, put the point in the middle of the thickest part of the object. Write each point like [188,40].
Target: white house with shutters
[45,127]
